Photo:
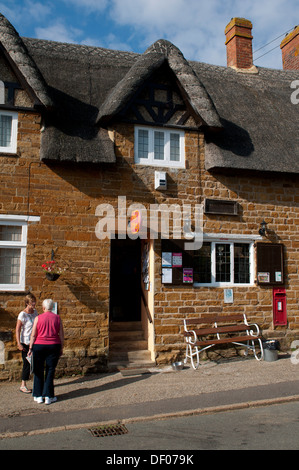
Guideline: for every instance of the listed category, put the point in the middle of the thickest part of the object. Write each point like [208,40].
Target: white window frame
[22,245]
[14,132]
[166,162]
[214,240]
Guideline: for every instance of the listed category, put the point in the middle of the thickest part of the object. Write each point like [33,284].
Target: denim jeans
[45,359]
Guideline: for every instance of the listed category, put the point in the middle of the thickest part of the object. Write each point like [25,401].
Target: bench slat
[213,319]
[233,339]
[221,329]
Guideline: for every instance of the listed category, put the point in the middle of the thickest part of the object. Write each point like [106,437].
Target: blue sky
[196,27]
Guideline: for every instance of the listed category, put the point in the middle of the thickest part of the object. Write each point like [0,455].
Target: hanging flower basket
[52,270]
[52,276]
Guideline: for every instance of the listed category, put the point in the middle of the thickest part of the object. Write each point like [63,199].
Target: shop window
[224,263]
[217,263]
[159,147]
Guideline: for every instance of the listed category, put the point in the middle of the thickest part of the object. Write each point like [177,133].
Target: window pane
[203,263]
[10,233]
[222,263]
[5,130]
[10,262]
[174,147]
[241,263]
[142,144]
[158,145]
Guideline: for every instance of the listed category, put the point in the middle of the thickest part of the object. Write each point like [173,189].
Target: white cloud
[58,31]
[197,27]
[88,6]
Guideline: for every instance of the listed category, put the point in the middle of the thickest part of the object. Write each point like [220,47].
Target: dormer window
[8,131]
[159,147]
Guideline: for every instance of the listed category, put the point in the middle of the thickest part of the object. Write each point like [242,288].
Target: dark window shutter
[221,207]
[269,258]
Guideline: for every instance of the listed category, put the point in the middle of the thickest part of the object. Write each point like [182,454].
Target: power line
[266,52]
[271,43]
[273,40]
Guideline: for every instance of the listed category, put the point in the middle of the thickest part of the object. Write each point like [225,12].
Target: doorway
[125,280]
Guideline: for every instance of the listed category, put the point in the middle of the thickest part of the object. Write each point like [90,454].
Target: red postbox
[279,307]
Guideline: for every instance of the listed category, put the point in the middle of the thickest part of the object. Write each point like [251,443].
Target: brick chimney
[290,50]
[239,43]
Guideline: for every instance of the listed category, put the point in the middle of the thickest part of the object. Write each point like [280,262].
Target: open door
[125,275]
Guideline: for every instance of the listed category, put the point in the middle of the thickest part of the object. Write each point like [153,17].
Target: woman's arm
[18,334]
[33,335]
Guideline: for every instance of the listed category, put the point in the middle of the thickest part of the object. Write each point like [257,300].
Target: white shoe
[38,399]
[48,400]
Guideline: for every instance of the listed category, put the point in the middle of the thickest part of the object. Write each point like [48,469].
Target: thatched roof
[259,119]
[153,58]
[79,79]
[22,63]
[256,122]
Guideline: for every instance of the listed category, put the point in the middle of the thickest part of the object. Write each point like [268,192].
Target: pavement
[147,394]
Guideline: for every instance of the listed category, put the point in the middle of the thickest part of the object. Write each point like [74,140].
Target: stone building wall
[66,197]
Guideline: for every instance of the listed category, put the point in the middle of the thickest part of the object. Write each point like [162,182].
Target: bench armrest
[257,330]
[192,337]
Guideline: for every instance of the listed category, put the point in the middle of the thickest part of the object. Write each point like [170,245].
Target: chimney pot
[290,50]
[239,43]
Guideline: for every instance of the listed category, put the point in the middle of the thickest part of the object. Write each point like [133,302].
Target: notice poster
[167,276]
[263,277]
[166,259]
[177,260]
[188,275]
[228,296]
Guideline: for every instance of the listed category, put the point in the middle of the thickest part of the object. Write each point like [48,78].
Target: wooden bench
[220,329]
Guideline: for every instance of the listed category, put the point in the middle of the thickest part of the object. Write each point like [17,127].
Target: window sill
[4,290]
[223,285]
[9,154]
[180,165]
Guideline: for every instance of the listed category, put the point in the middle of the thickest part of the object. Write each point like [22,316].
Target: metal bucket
[177,365]
[270,355]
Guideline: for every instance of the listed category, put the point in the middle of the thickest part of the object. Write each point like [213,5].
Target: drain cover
[109,430]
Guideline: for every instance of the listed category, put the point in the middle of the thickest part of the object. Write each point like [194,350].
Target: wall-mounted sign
[228,296]
[270,263]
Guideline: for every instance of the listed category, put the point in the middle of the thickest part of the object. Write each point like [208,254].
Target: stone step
[128,335]
[128,345]
[133,356]
[125,326]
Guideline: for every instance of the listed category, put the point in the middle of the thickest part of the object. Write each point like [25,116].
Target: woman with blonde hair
[23,332]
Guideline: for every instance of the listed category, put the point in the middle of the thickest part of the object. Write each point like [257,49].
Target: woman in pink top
[46,343]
